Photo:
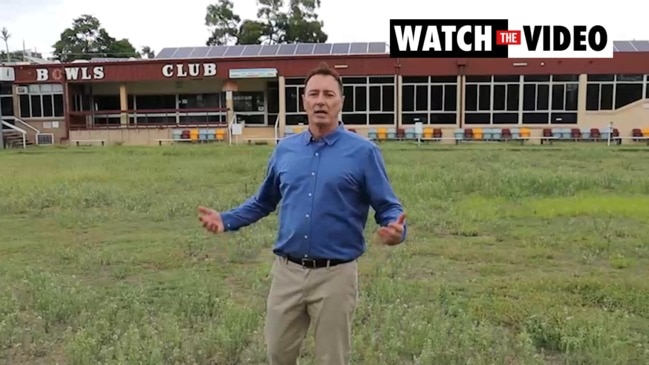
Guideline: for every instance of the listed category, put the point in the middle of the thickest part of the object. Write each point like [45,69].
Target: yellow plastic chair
[428,133]
[193,135]
[526,133]
[645,132]
[382,134]
[220,135]
[478,133]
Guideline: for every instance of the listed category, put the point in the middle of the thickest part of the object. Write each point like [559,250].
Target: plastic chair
[382,133]
[220,135]
[194,135]
[410,133]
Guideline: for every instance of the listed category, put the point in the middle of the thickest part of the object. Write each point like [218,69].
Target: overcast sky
[160,24]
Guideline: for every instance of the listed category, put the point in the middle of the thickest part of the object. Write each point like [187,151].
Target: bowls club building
[199,93]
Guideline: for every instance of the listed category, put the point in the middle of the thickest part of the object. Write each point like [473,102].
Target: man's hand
[211,220]
[392,233]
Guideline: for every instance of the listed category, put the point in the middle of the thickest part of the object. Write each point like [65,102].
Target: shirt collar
[330,138]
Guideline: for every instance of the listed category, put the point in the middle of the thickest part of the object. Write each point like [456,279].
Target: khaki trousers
[325,298]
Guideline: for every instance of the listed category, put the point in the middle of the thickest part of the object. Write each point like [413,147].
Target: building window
[355,104]
[550,99]
[506,99]
[478,100]
[294,89]
[429,100]
[248,102]
[250,107]
[610,92]
[493,99]
[208,102]
[6,88]
[368,100]
[513,99]
[42,101]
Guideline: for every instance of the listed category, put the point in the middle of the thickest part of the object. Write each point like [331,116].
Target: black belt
[315,263]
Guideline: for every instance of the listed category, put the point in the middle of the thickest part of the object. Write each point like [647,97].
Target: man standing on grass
[326,179]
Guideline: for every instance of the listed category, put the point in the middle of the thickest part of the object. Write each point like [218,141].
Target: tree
[147,52]
[251,32]
[4,34]
[273,20]
[303,25]
[224,21]
[13,55]
[86,39]
[299,23]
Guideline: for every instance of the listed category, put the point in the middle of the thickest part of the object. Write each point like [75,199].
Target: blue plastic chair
[410,133]
[459,134]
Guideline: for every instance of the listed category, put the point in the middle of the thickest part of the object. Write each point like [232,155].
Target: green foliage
[516,255]
[298,23]
[87,39]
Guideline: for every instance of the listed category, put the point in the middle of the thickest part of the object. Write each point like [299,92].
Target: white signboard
[237,129]
[7,74]
[419,128]
[419,131]
[249,73]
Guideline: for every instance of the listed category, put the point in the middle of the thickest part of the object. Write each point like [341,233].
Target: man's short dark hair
[325,70]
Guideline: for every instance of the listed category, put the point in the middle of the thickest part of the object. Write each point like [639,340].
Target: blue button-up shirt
[326,188]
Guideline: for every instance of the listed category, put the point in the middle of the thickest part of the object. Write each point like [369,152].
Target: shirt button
[316,153]
[307,216]
[305,237]
[310,194]
[313,173]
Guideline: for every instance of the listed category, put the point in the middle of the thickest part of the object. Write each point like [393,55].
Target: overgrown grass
[533,255]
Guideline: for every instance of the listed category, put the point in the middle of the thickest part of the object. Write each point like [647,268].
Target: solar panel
[624,46]
[358,48]
[269,50]
[322,48]
[166,53]
[305,49]
[251,50]
[340,48]
[108,59]
[286,49]
[301,49]
[200,52]
[641,46]
[183,52]
[216,51]
[234,51]
[375,47]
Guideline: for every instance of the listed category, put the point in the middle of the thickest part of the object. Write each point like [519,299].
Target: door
[6,100]
[6,106]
